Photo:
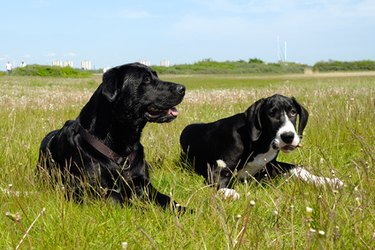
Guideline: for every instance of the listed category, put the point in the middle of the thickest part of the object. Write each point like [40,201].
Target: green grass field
[339,140]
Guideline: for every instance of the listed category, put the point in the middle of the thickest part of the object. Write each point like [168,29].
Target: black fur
[130,96]
[238,139]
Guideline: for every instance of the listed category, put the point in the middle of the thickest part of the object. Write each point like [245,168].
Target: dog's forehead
[279,101]
[133,69]
[137,68]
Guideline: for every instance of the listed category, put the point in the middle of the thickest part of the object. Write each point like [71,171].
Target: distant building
[68,64]
[145,62]
[62,64]
[105,69]
[165,63]
[57,63]
[86,65]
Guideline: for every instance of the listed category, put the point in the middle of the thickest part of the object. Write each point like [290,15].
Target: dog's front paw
[337,183]
[228,194]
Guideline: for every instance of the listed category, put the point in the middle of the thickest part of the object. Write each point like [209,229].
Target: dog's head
[275,119]
[136,92]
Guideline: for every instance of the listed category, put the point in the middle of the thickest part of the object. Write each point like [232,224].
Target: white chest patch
[257,164]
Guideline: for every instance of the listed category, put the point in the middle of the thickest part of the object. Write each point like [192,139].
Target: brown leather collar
[101,147]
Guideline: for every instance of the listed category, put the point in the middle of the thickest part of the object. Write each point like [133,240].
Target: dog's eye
[292,113]
[147,79]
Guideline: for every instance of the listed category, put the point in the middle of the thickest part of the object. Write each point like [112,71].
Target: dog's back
[205,143]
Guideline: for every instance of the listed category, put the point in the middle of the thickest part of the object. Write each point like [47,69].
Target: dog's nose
[180,89]
[287,137]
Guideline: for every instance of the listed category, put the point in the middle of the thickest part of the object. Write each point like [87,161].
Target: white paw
[337,183]
[228,194]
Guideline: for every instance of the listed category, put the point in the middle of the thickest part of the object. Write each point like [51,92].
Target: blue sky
[110,33]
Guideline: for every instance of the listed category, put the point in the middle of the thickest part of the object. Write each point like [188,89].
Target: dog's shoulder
[225,124]
[69,129]
[227,131]
[64,137]
[231,123]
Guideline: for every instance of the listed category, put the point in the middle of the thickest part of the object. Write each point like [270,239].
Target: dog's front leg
[303,174]
[224,177]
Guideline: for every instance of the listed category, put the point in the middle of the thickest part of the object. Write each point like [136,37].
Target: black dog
[246,145]
[100,152]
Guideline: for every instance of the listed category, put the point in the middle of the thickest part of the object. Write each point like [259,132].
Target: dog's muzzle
[154,114]
[166,112]
[286,148]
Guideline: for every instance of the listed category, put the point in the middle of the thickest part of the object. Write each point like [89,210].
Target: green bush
[54,71]
[365,65]
[254,66]
[255,60]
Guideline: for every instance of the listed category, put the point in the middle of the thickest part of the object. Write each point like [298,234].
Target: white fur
[228,194]
[285,128]
[257,164]
[261,160]
[306,176]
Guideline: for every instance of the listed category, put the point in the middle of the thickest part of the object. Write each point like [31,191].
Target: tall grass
[339,140]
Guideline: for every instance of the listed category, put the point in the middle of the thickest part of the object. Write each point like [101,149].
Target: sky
[114,32]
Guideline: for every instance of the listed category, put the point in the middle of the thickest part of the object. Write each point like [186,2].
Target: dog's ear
[154,73]
[110,84]
[303,116]
[253,117]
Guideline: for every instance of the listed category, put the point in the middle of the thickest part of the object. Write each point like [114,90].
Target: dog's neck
[121,135]
[124,138]
[263,143]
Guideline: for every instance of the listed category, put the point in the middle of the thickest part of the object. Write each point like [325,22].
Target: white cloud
[41,3]
[71,54]
[119,13]
[50,54]
[134,14]
[339,8]
[209,27]
[365,9]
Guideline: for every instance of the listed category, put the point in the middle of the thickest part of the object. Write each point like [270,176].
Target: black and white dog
[100,152]
[246,145]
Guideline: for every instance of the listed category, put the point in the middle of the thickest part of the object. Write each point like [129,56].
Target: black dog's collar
[101,147]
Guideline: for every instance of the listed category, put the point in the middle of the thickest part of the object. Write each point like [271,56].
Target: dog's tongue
[173,111]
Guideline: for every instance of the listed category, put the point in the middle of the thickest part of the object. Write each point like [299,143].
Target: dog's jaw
[280,144]
[157,115]
[286,148]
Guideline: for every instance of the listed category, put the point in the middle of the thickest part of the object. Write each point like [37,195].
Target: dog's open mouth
[154,114]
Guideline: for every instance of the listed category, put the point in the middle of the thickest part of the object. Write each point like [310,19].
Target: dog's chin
[161,115]
[286,148]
